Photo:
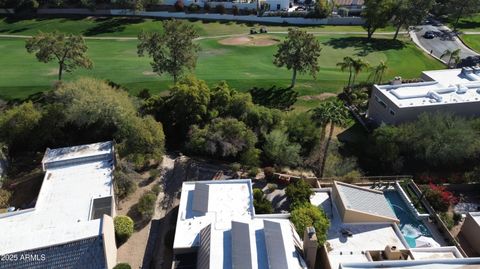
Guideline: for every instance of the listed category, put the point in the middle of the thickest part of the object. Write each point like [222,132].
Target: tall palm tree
[347,63]
[332,113]
[378,72]
[358,66]
[453,55]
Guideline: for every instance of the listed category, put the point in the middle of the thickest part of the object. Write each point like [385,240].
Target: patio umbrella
[424,241]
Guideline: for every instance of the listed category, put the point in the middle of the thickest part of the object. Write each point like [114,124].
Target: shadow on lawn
[363,45]
[111,25]
[468,24]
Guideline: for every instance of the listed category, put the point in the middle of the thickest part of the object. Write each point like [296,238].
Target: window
[392,112]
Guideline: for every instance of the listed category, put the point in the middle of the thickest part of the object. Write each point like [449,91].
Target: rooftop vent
[476,70]
[396,81]
[467,70]
[461,89]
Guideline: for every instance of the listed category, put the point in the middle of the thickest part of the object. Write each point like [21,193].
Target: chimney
[393,253]
[396,81]
[310,246]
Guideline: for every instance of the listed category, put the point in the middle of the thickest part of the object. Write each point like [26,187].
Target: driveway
[444,39]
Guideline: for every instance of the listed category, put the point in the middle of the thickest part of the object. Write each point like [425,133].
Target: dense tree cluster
[261,203]
[308,215]
[83,111]
[226,124]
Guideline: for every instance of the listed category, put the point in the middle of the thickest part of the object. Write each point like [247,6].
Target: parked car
[300,8]
[253,31]
[263,30]
[429,35]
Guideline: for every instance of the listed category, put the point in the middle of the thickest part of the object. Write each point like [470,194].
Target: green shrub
[271,187]
[124,184]
[252,172]
[262,205]
[154,173]
[457,218]
[269,173]
[235,167]
[309,215]
[298,193]
[122,266]
[5,197]
[123,227]
[146,205]
[447,219]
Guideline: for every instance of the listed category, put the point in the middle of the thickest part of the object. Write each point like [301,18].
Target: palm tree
[347,64]
[358,66]
[332,113]
[378,72]
[453,55]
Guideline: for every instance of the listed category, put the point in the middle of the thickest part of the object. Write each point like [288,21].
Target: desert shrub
[123,227]
[124,184]
[154,173]
[235,167]
[122,266]
[447,219]
[179,6]
[252,172]
[220,9]
[193,8]
[5,197]
[146,205]
[262,205]
[271,187]
[457,218]
[156,189]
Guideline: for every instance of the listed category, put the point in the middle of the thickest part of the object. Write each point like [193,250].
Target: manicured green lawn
[473,41]
[242,67]
[125,27]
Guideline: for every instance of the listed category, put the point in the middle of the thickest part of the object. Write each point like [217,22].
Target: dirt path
[136,251]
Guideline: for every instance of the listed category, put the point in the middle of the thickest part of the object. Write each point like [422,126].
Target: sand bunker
[258,41]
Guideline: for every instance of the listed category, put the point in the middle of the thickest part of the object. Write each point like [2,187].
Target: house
[71,225]
[353,7]
[470,231]
[364,233]
[453,90]
[217,228]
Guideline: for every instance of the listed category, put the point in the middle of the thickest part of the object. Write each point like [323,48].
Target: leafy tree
[309,215]
[262,205]
[298,194]
[172,51]
[331,113]
[262,120]
[274,97]
[377,14]
[279,150]
[122,266]
[222,138]
[458,9]
[187,104]
[378,72]
[323,9]
[410,12]
[302,130]
[146,205]
[299,52]
[452,56]
[17,126]
[123,227]
[70,51]
[386,148]
[108,113]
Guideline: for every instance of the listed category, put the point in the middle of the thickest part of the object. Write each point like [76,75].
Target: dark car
[263,30]
[429,35]
[300,8]
[253,31]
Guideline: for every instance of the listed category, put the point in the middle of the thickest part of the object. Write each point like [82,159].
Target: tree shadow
[468,24]
[363,46]
[111,25]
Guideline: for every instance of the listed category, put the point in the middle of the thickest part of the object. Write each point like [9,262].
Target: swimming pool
[410,227]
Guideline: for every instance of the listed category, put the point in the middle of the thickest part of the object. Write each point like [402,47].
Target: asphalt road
[445,40]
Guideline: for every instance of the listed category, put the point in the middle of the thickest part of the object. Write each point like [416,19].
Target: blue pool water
[410,227]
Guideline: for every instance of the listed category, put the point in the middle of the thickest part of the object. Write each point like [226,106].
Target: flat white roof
[375,236]
[62,211]
[446,87]
[466,263]
[476,217]
[227,201]
[82,151]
